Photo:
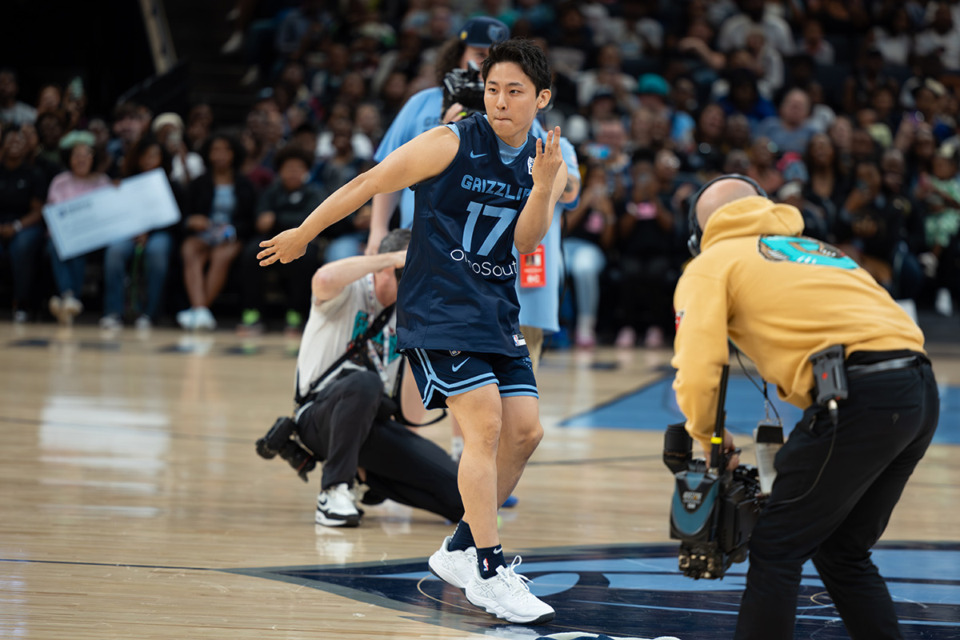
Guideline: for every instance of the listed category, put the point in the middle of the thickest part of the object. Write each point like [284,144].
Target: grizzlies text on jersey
[458,288]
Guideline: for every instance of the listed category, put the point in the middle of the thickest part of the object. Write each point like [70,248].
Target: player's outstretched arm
[425,156]
[549,181]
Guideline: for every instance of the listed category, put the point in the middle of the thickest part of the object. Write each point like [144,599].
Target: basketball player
[484,185]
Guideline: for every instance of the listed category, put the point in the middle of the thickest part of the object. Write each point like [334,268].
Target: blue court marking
[636,590]
[654,406]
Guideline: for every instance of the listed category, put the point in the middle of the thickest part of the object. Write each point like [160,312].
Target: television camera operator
[350,404]
[794,306]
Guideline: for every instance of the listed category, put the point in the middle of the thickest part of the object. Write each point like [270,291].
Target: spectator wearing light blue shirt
[424,111]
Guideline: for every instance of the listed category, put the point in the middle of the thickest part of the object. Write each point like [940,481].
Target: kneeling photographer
[835,344]
[352,398]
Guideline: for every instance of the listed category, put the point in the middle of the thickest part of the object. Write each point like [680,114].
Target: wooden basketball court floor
[133,505]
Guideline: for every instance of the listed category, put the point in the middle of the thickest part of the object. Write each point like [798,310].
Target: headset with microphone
[696,233]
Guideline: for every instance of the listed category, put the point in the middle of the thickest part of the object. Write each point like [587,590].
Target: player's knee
[528,436]
[483,435]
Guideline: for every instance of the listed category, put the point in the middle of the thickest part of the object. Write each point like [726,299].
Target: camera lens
[298,458]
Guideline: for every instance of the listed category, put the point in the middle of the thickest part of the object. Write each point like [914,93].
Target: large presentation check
[111,214]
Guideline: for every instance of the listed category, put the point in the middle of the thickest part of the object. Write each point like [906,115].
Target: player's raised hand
[548,160]
[286,247]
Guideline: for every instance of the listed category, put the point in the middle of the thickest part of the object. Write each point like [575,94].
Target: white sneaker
[203,319]
[508,597]
[71,308]
[186,319]
[111,323]
[143,322]
[453,567]
[336,508]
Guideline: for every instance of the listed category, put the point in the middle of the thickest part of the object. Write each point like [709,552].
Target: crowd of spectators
[846,109]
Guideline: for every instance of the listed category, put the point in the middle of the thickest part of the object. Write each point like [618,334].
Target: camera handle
[717,457]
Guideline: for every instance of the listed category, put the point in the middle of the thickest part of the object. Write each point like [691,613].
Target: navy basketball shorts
[442,374]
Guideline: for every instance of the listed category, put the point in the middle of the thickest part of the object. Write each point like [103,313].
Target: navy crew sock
[462,538]
[488,559]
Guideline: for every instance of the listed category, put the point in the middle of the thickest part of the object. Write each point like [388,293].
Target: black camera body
[713,510]
[280,439]
[466,87]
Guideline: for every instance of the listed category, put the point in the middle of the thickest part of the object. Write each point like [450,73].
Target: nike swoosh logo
[456,367]
[498,550]
[476,155]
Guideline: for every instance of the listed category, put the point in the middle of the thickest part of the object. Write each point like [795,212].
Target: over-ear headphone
[696,233]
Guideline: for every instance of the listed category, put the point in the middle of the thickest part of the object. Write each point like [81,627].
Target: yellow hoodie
[781,298]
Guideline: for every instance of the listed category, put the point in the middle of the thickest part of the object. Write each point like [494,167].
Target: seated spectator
[941,38]
[813,43]
[79,155]
[707,152]
[637,31]
[790,131]
[744,98]
[869,75]
[12,111]
[219,216]
[253,168]
[736,135]
[187,164]
[154,248]
[653,90]
[284,205]
[763,167]
[348,236]
[768,60]
[199,126]
[591,227]
[827,187]
[22,192]
[607,74]
[941,195]
[648,249]
[734,31]
[893,37]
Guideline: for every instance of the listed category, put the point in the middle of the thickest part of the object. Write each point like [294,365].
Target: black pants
[294,278]
[342,429]
[884,429]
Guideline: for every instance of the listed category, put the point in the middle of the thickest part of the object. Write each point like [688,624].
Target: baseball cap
[483,32]
[652,84]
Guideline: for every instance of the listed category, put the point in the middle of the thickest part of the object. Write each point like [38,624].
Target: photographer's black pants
[884,429]
[342,430]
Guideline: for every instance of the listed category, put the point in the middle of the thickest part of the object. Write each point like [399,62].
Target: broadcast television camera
[464,86]
[714,509]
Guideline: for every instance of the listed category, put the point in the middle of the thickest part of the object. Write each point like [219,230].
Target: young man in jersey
[484,186]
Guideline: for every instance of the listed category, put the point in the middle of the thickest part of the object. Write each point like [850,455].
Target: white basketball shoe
[507,596]
[453,567]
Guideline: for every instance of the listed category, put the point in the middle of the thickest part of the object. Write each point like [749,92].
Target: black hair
[525,54]
[131,162]
[239,153]
[66,154]
[448,58]
[292,152]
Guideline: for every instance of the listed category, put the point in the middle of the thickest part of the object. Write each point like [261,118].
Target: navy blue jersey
[458,291]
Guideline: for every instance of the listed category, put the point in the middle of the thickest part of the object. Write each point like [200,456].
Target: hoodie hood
[751,216]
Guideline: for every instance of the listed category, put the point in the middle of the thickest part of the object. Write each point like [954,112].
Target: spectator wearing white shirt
[941,38]
[734,31]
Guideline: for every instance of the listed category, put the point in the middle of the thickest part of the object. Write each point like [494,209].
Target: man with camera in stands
[353,401]
[791,304]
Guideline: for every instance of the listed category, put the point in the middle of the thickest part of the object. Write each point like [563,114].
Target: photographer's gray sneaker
[336,507]
[453,567]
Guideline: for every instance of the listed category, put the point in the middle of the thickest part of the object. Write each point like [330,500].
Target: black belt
[860,370]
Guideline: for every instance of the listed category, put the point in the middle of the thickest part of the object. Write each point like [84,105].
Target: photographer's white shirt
[333,324]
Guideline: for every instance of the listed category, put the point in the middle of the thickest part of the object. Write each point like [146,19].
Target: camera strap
[356,350]
[360,349]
